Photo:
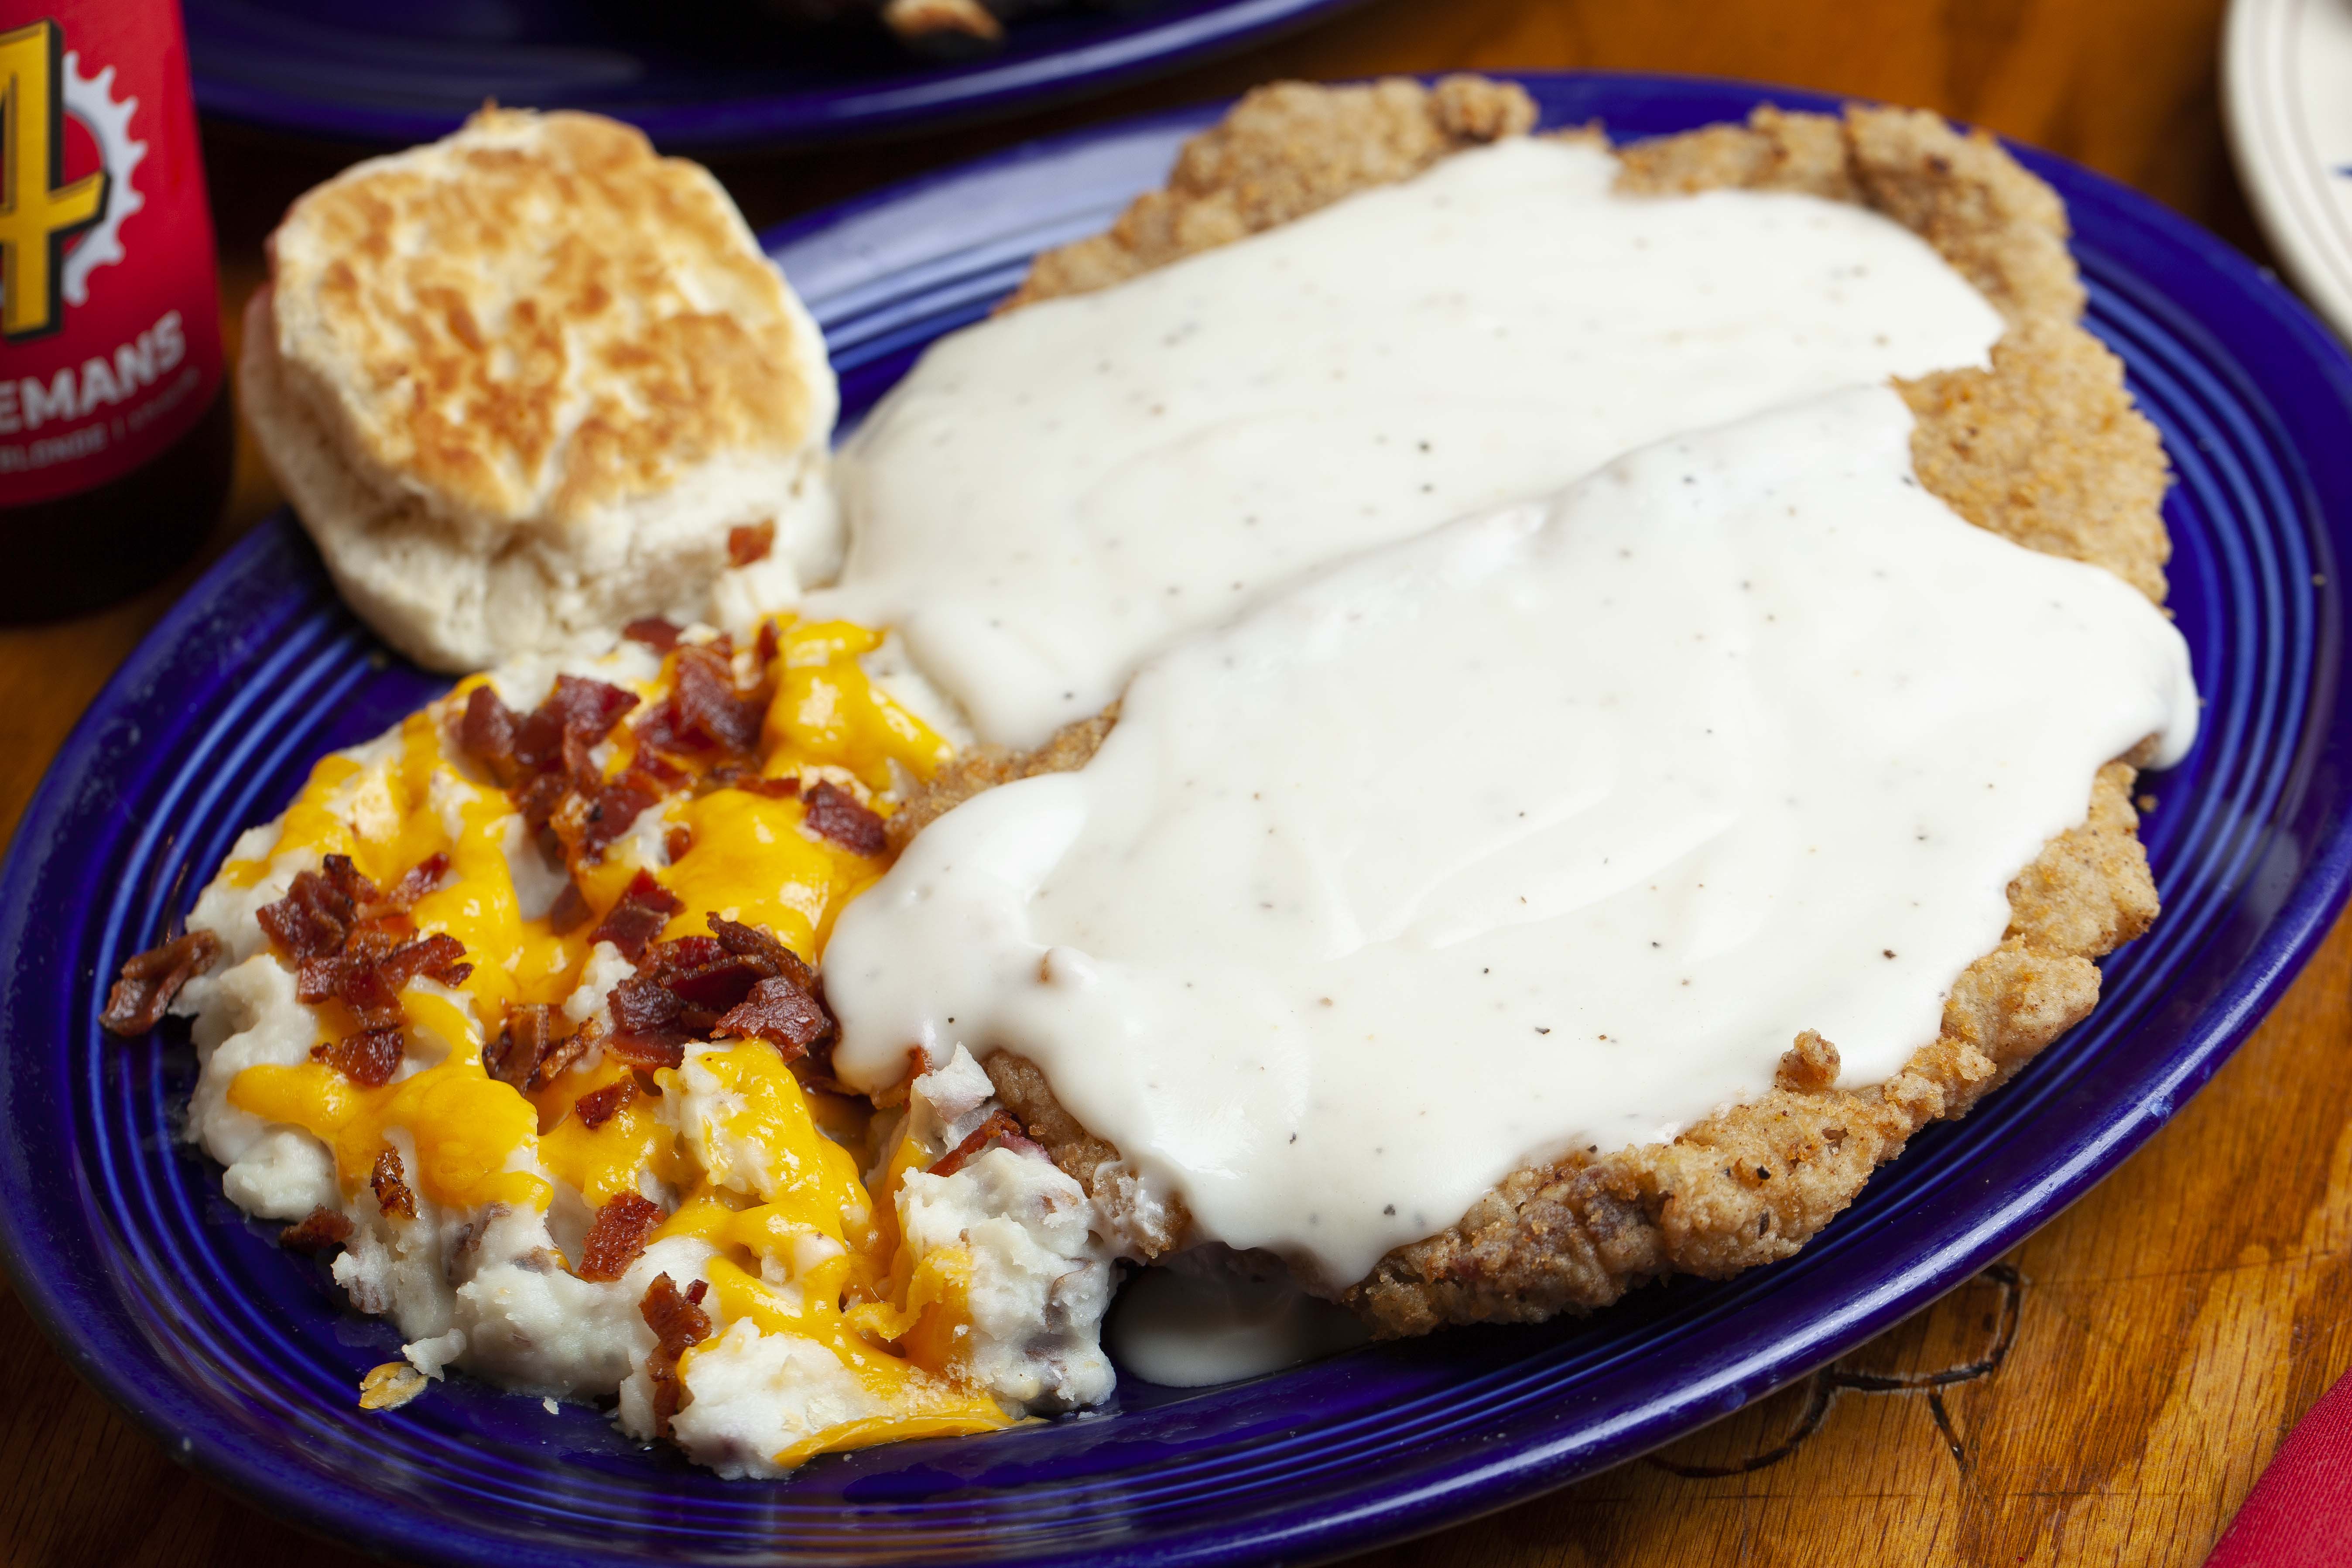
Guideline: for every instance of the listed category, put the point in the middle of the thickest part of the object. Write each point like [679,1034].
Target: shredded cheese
[801,1247]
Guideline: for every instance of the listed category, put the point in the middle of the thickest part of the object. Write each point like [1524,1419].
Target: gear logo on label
[92,100]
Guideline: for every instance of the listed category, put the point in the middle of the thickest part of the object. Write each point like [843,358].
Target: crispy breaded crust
[535,317]
[2000,227]
[2044,448]
[1284,151]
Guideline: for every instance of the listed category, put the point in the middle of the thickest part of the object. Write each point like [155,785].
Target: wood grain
[2105,1394]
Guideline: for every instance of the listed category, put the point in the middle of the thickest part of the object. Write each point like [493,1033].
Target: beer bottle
[115,430]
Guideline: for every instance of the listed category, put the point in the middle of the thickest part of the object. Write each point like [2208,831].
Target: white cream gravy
[1185,1326]
[1549,829]
[1051,497]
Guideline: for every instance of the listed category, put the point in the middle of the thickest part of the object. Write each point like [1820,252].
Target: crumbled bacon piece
[570,911]
[740,983]
[642,1005]
[678,1323]
[616,1237]
[684,953]
[750,541]
[369,1058]
[703,712]
[708,990]
[539,800]
[577,714]
[317,1231]
[676,842]
[665,1049]
[564,1055]
[599,1106]
[759,944]
[657,632]
[151,979]
[764,650]
[833,813]
[487,733]
[644,907]
[522,1045]
[779,1013]
[1000,1127]
[391,1185]
[369,975]
[612,810]
[425,876]
[736,775]
[319,909]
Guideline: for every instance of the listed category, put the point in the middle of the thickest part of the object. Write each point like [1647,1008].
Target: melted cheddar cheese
[801,1247]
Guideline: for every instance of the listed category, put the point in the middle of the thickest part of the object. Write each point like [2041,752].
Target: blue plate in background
[241,1358]
[707,74]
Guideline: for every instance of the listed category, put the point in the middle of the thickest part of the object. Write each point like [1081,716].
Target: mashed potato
[550,1171]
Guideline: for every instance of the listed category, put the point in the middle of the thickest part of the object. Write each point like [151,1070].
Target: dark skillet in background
[693,74]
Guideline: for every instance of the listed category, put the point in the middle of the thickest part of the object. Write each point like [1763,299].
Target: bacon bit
[679,1324]
[562,1055]
[487,733]
[369,1058]
[761,945]
[734,775]
[676,842]
[686,953]
[522,1044]
[1000,1127]
[706,991]
[740,984]
[151,979]
[392,1385]
[370,979]
[599,1106]
[765,650]
[656,632]
[833,813]
[666,1049]
[570,911]
[540,798]
[319,909]
[425,876]
[703,712]
[438,957]
[317,979]
[391,1185]
[642,1005]
[750,542]
[578,713]
[616,1238]
[613,810]
[782,1013]
[646,906]
[321,1230]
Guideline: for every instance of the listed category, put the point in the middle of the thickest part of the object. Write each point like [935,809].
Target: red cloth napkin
[2301,1511]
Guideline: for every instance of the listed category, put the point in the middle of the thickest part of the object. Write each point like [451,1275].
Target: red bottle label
[109,330]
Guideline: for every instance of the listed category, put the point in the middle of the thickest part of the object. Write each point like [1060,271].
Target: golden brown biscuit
[524,384]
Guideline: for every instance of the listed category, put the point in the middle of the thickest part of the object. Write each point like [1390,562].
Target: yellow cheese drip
[801,1215]
[469,1128]
[827,713]
[805,1191]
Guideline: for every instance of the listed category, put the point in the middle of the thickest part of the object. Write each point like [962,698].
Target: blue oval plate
[240,1358]
[709,74]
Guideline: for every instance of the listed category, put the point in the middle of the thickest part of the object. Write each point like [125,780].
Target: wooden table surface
[2119,1380]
